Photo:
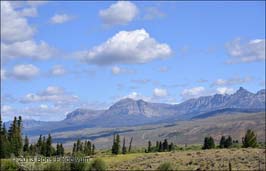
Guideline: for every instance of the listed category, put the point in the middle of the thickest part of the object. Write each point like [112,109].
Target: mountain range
[130,112]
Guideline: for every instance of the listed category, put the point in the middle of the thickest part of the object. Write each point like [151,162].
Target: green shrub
[77,165]
[8,165]
[167,166]
[97,165]
[57,166]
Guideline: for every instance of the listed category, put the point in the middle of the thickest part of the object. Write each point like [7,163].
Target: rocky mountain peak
[241,91]
[261,92]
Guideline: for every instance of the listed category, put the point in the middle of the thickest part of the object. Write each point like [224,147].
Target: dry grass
[216,159]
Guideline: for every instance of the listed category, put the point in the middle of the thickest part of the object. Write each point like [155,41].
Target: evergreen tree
[171,147]
[57,149]
[250,139]
[26,144]
[74,148]
[117,144]
[124,149]
[114,144]
[157,146]
[222,142]
[89,148]
[32,150]
[93,149]
[165,145]
[39,145]
[79,145]
[19,134]
[62,150]
[43,146]
[208,143]
[149,146]
[130,143]
[228,142]
[4,143]
[49,148]
[85,149]
[160,146]
[14,137]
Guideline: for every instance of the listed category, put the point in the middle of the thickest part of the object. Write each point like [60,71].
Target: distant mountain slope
[180,132]
[227,111]
[129,112]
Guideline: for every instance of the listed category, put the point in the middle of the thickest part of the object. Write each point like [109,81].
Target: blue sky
[59,56]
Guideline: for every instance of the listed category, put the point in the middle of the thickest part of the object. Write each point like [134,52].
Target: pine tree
[149,146]
[165,145]
[49,147]
[62,150]
[4,143]
[14,136]
[250,139]
[78,145]
[157,146]
[171,147]
[43,146]
[228,142]
[117,149]
[32,150]
[222,142]
[93,150]
[19,135]
[130,143]
[39,145]
[208,143]
[89,148]
[26,144]
[57,149]
[74,148]
[160,147]
[114,144]
[124,149]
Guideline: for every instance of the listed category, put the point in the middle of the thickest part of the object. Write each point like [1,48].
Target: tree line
[86,148]
[116,145]
[160,146]
[249,140]
[11,142]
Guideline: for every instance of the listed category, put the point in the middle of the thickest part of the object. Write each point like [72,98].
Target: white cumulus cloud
[126,47]
[25,71]
[116,70]
[158,92]
[224,90]
[251,51]
[53,94]
[60,18]
[27,49]
[121,12]
[193,92]
[14,27]
[58,70]
[17,35]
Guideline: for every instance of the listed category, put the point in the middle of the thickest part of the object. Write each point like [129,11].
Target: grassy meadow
[190,159]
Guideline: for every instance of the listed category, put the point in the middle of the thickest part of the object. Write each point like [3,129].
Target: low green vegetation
[97,165]
[167,166]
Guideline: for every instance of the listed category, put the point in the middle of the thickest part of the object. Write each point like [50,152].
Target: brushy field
[214,159]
